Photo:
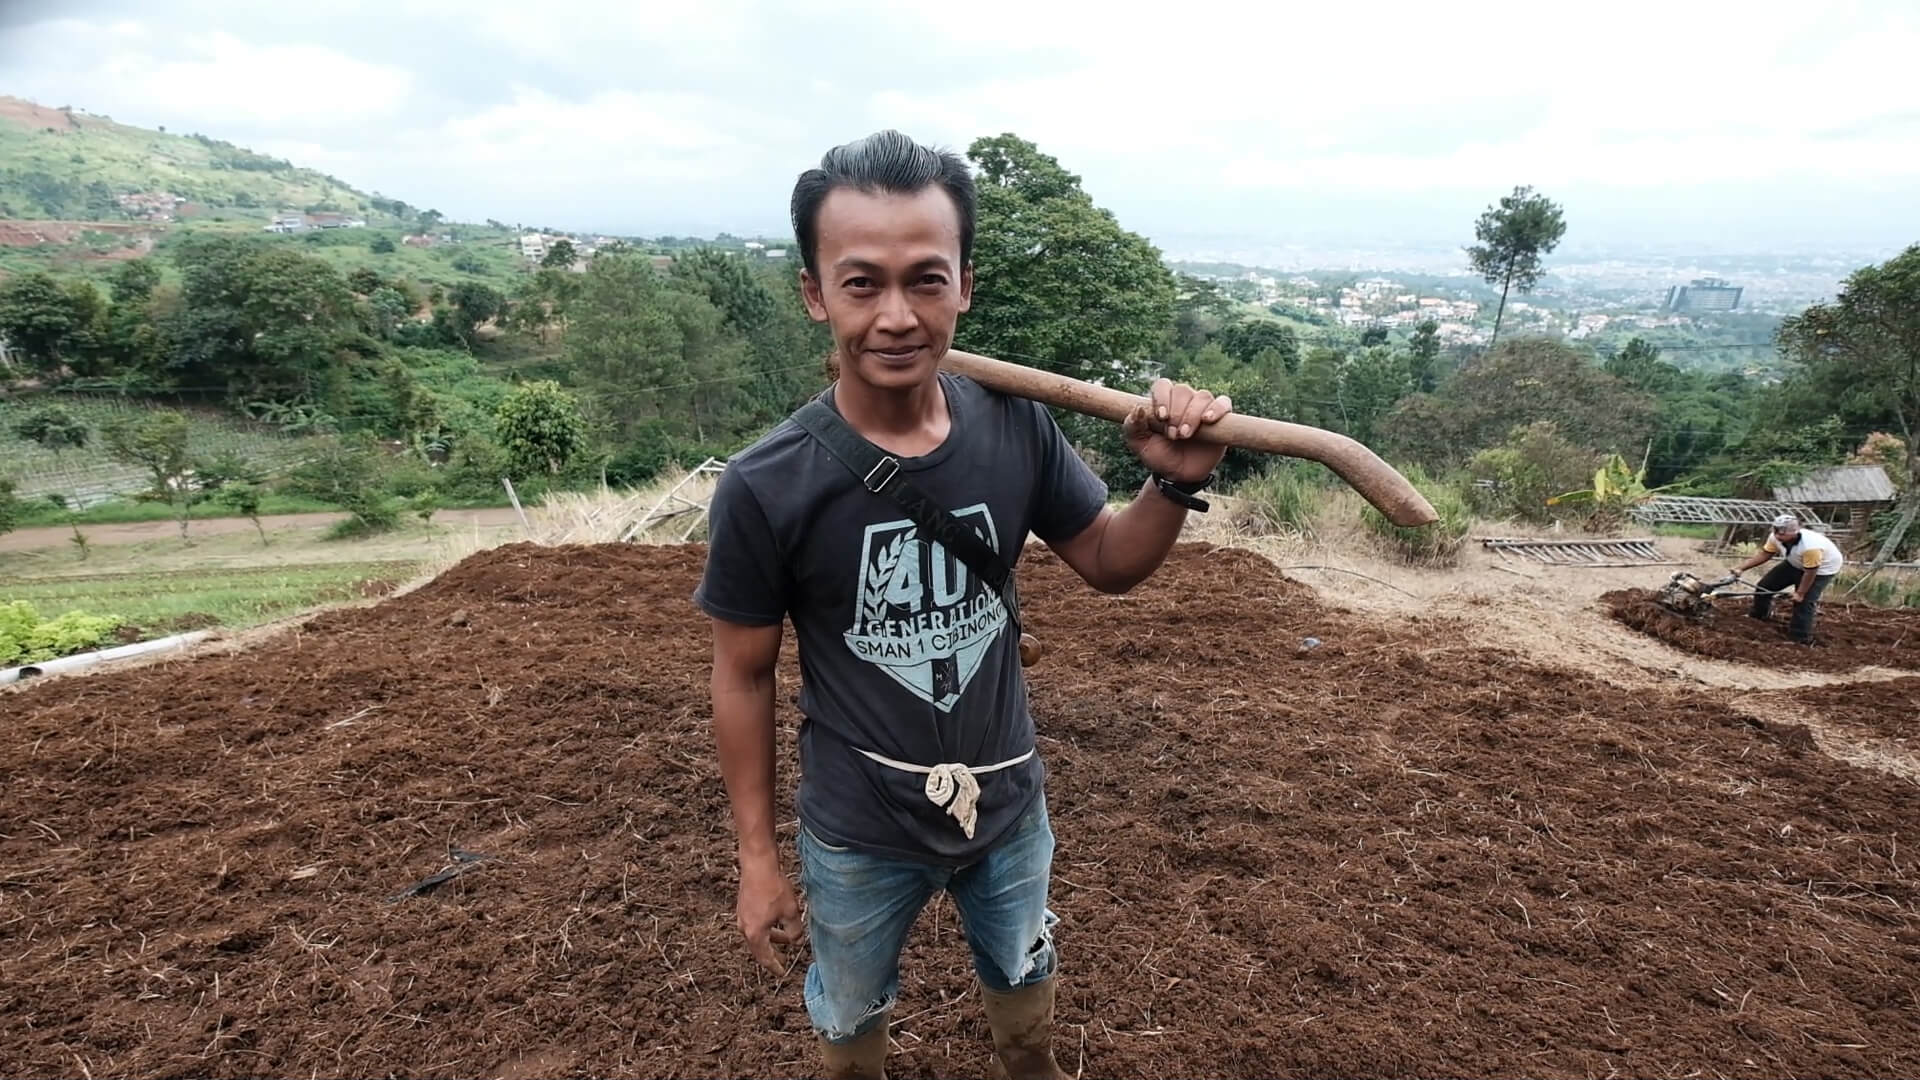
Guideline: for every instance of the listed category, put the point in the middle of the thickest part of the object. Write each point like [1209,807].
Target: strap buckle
[892,467]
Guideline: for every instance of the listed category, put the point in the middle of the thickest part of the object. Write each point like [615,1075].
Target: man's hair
[885,161]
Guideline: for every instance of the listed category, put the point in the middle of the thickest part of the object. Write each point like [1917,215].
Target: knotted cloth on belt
[952,785]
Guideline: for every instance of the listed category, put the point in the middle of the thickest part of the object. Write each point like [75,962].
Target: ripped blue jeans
[860,908]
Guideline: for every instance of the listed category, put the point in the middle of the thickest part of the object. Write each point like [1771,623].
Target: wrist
[1181,490]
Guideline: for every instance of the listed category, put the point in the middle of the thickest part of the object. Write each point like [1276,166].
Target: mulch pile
[1388,855]
[1889,708]
[1846,637]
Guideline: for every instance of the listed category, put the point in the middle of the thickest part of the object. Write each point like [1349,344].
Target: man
[918,771]
[1808,562]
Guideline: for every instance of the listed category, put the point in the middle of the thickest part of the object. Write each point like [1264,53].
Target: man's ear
[966,287]
[810,293]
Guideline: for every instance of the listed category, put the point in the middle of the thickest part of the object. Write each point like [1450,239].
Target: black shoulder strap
[880,473]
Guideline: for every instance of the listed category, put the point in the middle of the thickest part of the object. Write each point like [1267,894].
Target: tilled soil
[1388,855]
[1846,637]
[1890,708]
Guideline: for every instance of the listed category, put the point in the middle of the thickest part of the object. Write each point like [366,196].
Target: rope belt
[953,782]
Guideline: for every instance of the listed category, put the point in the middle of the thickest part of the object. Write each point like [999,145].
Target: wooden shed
[1845,496]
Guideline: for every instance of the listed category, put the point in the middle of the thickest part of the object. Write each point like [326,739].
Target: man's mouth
[899,352]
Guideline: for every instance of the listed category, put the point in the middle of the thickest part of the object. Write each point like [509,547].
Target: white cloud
[211,81]
[1208,109]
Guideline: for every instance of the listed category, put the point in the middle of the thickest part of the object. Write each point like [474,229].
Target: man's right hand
[768,912]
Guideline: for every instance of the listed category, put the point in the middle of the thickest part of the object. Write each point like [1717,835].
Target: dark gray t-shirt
[904,651]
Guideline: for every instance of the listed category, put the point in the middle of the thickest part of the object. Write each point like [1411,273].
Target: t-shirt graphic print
[922,615]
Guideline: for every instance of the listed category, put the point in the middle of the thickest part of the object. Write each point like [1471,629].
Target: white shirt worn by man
[1808,551]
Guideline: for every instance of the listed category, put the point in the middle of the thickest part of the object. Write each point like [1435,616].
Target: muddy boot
[864,1058]
[1022,1023]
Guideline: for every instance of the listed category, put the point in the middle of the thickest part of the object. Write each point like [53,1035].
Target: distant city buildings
[1703,294]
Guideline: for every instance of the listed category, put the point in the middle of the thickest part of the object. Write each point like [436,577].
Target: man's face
[890,284]
[1786,533]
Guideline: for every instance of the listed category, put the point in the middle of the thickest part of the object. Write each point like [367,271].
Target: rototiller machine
[1686,594]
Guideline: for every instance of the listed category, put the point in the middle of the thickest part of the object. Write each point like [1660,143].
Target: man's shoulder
[778,449]
[981,401]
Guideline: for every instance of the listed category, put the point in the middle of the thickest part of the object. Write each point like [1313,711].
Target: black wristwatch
[1183,492]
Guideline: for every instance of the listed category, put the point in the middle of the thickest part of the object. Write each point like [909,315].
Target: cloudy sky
[1741,127]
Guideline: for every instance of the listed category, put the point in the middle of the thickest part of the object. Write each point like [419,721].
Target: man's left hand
[1799,597]
[1180,411]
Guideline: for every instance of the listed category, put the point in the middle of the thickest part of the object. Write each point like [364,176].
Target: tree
[1519,477]
[1248,338]
[560,256]
[473,304]
[133,281]
[1861,353]
[157,442]
[381,245]
[1423,354]
[1370,384]
[1200,309]
[543,301]
[541,427]
[49,321]
[1373,335]
[1639,363]
[1512,238]
[770,316]
[1523,380]
[55,428]
[364,280]
[1318,389]
[269,323]
[1058,283]
[389,309]
[651,350]
[244,497]
[9,506]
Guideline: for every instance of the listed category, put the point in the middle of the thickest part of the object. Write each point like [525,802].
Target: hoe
[1361,468]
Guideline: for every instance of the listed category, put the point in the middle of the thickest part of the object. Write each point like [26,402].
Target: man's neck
[908,422]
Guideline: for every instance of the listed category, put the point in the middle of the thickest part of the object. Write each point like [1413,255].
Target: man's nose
[896,315]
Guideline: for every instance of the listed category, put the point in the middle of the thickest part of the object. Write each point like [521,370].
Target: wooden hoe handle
[1375,480]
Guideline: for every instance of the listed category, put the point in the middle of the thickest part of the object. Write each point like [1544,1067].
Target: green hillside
[66,164]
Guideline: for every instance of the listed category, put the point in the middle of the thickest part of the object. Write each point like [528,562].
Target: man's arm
[1120,550]
[744,658]
[1806,584]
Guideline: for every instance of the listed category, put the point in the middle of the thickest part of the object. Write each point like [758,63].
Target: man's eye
[933,279]
[859,283]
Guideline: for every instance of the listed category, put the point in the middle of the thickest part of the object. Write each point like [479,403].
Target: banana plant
[1617,487]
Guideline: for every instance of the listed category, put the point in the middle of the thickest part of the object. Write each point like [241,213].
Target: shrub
[1881,525]
[475,469]
[541,427]
[25,638]
[10,506]
[1517,478]
[650,449]
[1887,589]
[1284,497]
[1437,544]
[349,474]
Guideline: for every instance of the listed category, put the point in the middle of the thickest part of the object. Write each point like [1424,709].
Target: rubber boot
[863,1058]
[1022,1023]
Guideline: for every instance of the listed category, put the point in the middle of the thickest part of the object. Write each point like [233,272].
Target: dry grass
[601,516]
